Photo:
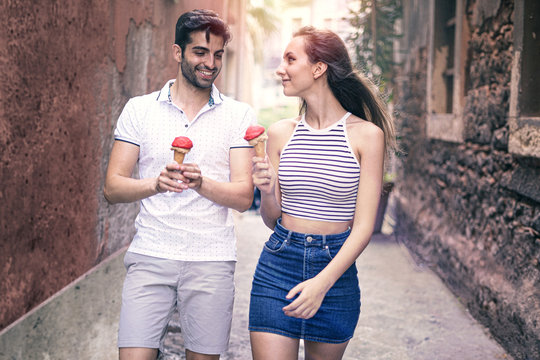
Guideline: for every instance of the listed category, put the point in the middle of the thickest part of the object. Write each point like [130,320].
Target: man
[183,254]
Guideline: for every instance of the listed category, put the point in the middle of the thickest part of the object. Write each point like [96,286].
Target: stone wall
[67,70]
[472,209]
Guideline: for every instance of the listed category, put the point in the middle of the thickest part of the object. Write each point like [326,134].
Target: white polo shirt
[184,226]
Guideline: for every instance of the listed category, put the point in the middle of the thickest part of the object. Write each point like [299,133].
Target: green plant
[268,116]
[374,22]
[372,42]
[389,177]
[261,21]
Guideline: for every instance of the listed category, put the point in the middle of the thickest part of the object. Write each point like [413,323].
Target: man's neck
[189,98]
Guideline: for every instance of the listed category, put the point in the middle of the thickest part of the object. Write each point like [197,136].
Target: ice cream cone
[181,146]
[257,138]
[179,154]
[259,145]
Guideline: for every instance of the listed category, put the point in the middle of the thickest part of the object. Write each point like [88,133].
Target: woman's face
[296,71]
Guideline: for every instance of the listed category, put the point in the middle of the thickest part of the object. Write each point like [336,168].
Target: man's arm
[120,187]
[236,194]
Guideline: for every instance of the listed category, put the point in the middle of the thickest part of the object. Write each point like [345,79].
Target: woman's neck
[323,109]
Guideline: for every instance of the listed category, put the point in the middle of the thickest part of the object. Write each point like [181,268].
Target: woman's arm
[265,171]
[370,140]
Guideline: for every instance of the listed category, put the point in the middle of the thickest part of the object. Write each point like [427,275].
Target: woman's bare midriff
[314,227]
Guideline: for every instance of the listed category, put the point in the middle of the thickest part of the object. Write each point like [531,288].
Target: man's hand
[191,176]
[171,179]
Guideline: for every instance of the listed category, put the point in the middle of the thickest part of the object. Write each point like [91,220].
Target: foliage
[372,39]
[261,21]
[268,116]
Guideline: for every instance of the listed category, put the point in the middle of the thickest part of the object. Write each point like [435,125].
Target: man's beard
[190,74]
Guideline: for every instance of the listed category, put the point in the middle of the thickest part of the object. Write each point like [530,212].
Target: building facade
[468,184]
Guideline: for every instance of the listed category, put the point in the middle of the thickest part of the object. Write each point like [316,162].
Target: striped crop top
[318,173]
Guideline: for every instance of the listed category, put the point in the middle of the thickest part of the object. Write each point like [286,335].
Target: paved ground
[407,313]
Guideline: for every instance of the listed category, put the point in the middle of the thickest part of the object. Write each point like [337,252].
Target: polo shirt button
[309,239]
[186,125]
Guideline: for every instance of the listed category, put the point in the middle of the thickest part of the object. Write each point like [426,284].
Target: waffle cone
[260,149]
[259,144]
[179,157]
[179,154]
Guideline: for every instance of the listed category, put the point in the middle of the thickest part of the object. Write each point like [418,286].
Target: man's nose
[210,62]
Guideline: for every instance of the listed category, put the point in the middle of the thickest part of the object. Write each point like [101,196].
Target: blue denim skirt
[289,258]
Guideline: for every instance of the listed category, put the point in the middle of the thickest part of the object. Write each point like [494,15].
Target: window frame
[448,126]
[524,131]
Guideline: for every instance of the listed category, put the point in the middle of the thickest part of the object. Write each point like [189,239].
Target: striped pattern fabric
[319,174]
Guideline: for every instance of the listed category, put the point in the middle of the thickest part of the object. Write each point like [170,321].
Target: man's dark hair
[200,20]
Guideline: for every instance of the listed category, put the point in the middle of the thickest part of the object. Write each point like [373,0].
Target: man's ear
[177,52]
[319,69]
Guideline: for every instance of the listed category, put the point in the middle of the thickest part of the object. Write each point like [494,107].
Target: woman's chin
[288,92]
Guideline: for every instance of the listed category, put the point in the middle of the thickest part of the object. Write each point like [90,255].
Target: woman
[320,204]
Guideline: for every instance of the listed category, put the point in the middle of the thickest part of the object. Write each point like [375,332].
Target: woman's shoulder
[364,135]
[362,128]
[283,127]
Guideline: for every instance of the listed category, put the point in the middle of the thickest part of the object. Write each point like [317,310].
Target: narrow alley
[407,312]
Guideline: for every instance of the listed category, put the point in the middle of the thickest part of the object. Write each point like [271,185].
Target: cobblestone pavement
[407,312]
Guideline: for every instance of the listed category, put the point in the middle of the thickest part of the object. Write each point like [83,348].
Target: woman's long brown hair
[355,92]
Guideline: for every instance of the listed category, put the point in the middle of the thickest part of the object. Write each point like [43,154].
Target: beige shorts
[202,291]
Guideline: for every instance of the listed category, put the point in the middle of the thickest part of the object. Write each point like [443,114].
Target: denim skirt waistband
[310,239]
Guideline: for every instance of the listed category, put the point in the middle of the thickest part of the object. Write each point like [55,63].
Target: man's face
[202,60]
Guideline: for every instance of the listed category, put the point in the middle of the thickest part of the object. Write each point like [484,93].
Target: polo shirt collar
[165,94]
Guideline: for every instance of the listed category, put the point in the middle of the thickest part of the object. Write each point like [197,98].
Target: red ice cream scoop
[253,131]
[181,146]
[257,138]
[182,142]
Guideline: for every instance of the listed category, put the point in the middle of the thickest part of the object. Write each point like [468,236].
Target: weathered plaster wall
[472,209]
[50,154]
[79,322]
[67,69]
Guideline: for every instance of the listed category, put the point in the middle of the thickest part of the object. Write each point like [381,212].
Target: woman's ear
[319,69]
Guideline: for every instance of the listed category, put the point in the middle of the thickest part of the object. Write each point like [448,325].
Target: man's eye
[199,53]
[219,56]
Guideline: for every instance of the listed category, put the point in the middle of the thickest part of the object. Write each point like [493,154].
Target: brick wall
[472,209]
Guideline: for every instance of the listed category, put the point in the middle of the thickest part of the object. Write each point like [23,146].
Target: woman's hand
[264,176]
[311,295]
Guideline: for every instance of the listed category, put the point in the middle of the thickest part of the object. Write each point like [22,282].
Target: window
[524,112]
[446,76]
